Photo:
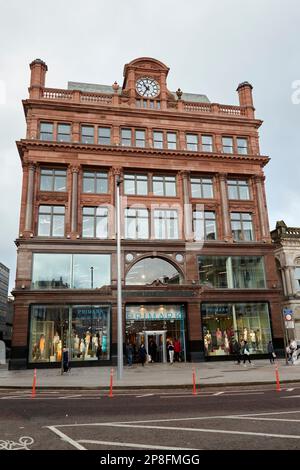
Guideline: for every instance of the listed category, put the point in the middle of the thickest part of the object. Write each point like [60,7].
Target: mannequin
[42,346]
[219,337]
[82,348]
[55,342]
[252,337]
[226,342]
[59,351]
[95,344]
[245,334]
[207,341]
[87,343]
[76,343]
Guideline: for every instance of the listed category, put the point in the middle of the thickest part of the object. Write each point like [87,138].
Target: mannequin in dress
[245,334]
[95,344]
[42,346]
[87,342]
[226,342]
[55,342]
[207,340]
[219,337]
[82,348]
[59,351]
[76,343]
[252,338]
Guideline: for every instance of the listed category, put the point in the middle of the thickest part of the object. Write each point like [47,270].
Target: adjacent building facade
[4,283]
[287,253]
[197,257]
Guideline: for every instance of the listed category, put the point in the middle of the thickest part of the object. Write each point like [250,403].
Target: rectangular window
[207,143]
[204,225]
[104,135]
[140,138]
[51,221]
[172,140]
[95,182]
[166,224]
[238,189]
[53,180]
[233,272]
[226,324]
[135,184]
[227,143]
[192,142]
[87,134]
[202,188]
[242,146]
[46,131]
[126,137]
[241,225]
[158,140]
[63,132]
[86,333]
[136,223]
[94,222]
[164,186]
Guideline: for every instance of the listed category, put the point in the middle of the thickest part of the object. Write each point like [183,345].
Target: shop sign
[290,325]
[154,316]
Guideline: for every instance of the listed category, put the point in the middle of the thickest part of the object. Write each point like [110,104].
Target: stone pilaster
[227,233]
[29,199]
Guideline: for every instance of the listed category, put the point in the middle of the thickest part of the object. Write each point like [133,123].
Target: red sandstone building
[197,258]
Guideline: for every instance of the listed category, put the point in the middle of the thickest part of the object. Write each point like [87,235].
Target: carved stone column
[29,199]
[74,202]
[259,181]
[187,207]
[227,233]
[288,281]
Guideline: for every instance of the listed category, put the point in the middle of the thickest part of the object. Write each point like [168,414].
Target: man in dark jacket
[237,351]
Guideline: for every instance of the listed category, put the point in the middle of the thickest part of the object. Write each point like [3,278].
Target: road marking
[215,431]
[66,438]
[218,393]
[128,444]
[146,395]
[290,389]
[215,394]
[253,418]
[292,396]
[68,396]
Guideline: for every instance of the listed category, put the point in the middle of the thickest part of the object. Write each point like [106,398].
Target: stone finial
[179,93]
[115,87]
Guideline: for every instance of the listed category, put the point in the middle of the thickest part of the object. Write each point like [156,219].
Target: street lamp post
[92,277]
[119,284]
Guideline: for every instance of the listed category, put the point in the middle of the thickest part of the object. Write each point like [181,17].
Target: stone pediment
[146,64]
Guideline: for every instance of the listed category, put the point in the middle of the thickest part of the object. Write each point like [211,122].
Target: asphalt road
[238,418]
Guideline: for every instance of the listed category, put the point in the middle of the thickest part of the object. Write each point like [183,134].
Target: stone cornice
[25,145]
[137,112]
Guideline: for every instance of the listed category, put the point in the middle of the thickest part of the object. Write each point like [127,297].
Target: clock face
[147,87]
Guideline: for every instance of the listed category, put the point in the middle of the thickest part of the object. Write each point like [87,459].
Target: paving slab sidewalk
[154,376]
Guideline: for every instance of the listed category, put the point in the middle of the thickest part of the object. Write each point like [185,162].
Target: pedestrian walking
[152,350]
[142,354]
[177,350]
[237,351]
[129,352]
[246,353]
[171,351]
[271,352]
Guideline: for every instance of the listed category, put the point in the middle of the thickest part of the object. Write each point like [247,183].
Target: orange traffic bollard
[194,383]
[33,385]
[277,379]
[111,383]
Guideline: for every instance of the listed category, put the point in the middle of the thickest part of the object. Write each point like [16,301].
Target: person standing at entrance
[177,350]
[171,351]
[142,354]
[129,351]
[152,350]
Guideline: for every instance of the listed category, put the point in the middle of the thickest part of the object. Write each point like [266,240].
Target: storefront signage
[154,316]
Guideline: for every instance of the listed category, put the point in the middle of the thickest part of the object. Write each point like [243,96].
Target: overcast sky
[209,45]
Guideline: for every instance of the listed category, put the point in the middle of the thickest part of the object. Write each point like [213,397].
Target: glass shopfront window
[152,271]
[156,324]
[65,271]
[223,324]
[232,272]
[83,330]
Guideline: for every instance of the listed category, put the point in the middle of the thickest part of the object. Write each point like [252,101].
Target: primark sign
[154,316]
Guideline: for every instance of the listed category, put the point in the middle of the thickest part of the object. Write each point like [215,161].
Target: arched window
[153,271]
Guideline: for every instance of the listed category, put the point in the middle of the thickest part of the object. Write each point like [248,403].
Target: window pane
[101,225]
[44,225]
[213,271]
[60,183]
[46,131]
[88,185]
[192,142]
[46,182]
[84,277]
[248,272]
[227,144]
[51,271]
[151,270]
[170,188]
[158,140]
[244,192]
[104,135]
[140,138]
[87,134]
[242,146]
[142,187]
[88,229]
[158,187]
[232,191]
[102,185]
[207,190]
[126,137]
[58,228]
[64,132]
[171,139]
[210,229]
[129,186]
[207,143]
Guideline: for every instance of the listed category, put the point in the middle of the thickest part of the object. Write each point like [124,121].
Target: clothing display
[219,337]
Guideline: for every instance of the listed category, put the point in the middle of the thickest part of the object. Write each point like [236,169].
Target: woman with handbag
[246,353]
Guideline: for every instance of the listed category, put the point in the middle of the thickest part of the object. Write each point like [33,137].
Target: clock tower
[146,79]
